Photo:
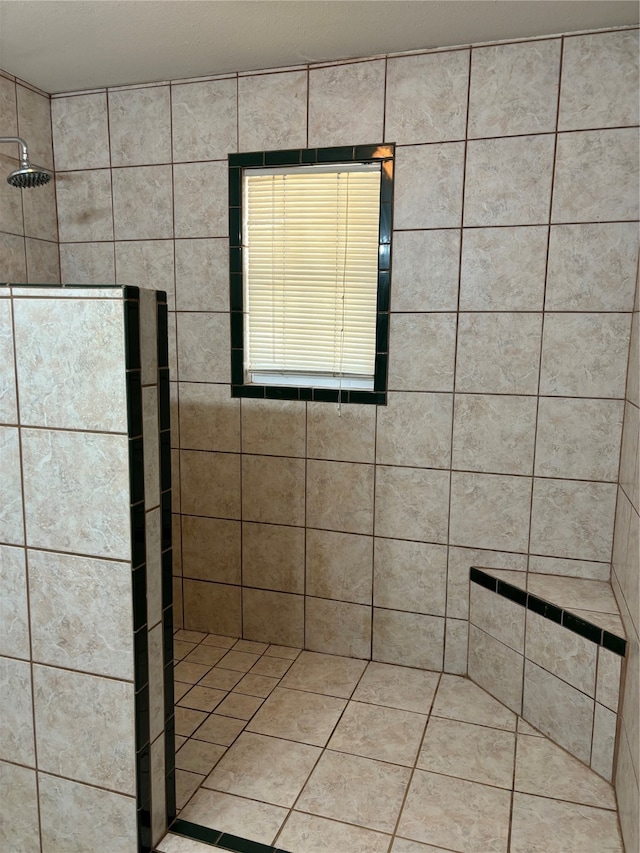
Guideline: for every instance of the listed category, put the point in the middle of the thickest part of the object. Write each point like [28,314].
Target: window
[310,235]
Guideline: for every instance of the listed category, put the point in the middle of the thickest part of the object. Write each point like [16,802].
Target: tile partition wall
[86,675]
[514,261]
[625,578]
[28,223]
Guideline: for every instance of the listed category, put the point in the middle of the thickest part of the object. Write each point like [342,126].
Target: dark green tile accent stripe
[550,611]
[221,840]
[382,153]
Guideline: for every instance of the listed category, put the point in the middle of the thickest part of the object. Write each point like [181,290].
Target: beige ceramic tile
[456,646]
[443,810]
[397,687]
[207,655]
[78,621]
[425,270]
[273,490]
[496,668]
[337,627]
[355,790]
[16,735]
[498,353]
[203,347]
[273,557]
[140,126]
[273,427]
[200,199]
[142,203]
[405,845]
[211,549]
[256,821]
[96,716]
[386,734]
[186,784]
[188,720]
[338,565]
[344,433]
[210,484]
[239,661]
[584,355]
[346,103]
[180,844]
[604,741]
[541,825]
[204,120]
[410,576]
[84,205]
[80,132]
[87,263]
[88,472]
[340,496]
[201,699]
[209,418]
[559,711]
[579,439]
[11,216]
[490,511]
[19,828]
[545,769]
[319,835]
[561,652]
[494,433]
[219,640]
[592,267]
[14,609]
[74,816]
[498,616]
[428,186]
[514,88]
[250,646]
[273,617]
[43,261]
[219,729]
[212,606]
[415,429]
[147,263]
[298,716]
[460,699]
[476,753]
[253,684]
[411,503]
[265,768]
[8,402]
[202,282]
[12,255]
[11,522]
[422,352]
[272,111]
[608,678]
[328,674]
[596,176]
[221,679]
[508,181]
[8,106]
[426,97]
[239,706]
[272,666]
[627,794]
[410,639]
[599,77]
[190,636]
[572,519]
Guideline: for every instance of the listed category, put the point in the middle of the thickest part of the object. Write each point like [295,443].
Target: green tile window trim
[238,163]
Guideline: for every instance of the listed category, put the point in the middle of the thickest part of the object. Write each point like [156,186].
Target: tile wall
[514,261]
[626,582]
[86,675]
[28,223]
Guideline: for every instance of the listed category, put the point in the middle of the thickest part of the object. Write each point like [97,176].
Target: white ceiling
[66,45]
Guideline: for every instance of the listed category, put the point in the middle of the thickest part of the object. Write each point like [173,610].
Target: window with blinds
[310,259]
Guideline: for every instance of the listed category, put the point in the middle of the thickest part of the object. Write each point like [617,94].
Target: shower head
[26,176]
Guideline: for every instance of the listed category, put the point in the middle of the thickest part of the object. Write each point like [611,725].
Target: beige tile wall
[513,273]
[626,586]
[28,219]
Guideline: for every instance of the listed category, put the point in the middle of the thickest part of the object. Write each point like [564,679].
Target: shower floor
[310,752]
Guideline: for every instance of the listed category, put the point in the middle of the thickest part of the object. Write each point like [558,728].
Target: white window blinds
[311,274]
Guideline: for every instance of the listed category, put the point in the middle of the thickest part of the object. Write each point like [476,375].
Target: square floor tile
[208,655]
[397,687]
[189,636]
[542,825]
[256,685]
[356,790]
[219,640]
[297,715]
[250,646]
[246,818]
[476,753]
[221,679]
[264,768]
[329,674]
[220,730]
[202,698]
[239,661]
[182,649]
[456,813]
[187,721]
[283,652]
[186,784]
[459,698]
[387,734]
[198,756]
[272,667]
[239,706]
[190,672]
[312,834]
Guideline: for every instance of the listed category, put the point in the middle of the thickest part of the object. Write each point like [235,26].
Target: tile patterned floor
[311,752]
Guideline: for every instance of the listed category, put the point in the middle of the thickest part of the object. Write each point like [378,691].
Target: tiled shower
[511,384]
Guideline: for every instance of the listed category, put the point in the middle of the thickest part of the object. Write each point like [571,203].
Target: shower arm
[24,156]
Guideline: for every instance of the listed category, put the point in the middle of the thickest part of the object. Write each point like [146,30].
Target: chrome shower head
[26,176]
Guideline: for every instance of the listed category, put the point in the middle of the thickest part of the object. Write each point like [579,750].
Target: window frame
[384,154]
